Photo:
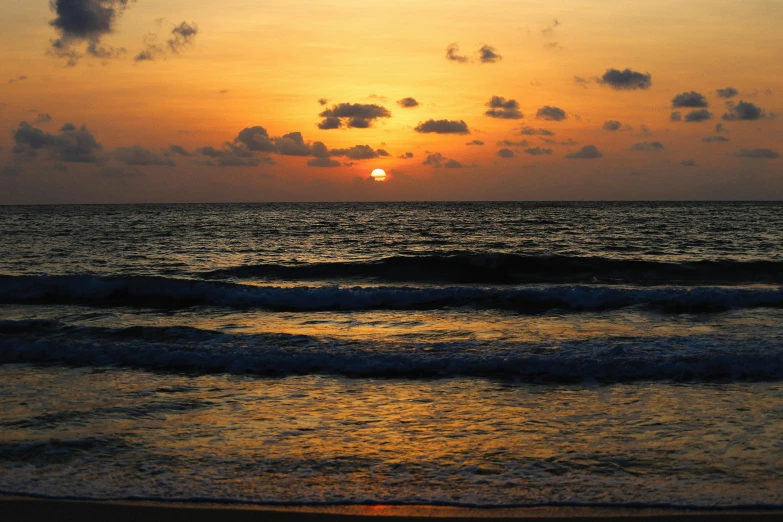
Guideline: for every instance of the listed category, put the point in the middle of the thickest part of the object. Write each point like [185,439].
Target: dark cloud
[530,131]
[648,146]
[691,99]
[358,115]
[757,154]
[698,115]
[17,79]
[323,162]
[255,139]
[538,151]
[407,155]
[728,92]
[408,103]
[488,54]
[475,142]
[612,125]
[437,160]
[13,170]
[551,113]
[443,127]
[359,152]
[720,128]
[688,163]
[330,123]
[676,116]
[72,145]
[452,54]
[711,139]
[292,144]
[118,172]
[139,156]
[85,21]
[501,108]
[43,118]
[178,149]
[509,143]
[505,153]
[626,80]
[744,111]
[322,101]
[230,155]
[182,35]
[586,152]
[568,142]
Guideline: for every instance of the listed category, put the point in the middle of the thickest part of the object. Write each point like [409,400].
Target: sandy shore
[19,509]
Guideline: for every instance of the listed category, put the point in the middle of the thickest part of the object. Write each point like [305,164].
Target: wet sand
[45,510]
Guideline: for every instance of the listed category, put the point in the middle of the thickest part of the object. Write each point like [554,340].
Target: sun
[378,175]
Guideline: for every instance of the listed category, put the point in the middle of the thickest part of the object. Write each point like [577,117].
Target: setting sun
[379,175]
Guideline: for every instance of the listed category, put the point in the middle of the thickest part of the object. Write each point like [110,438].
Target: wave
[160,292]
[177,349]
[462,267]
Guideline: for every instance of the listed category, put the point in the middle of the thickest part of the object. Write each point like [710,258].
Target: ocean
[465,354]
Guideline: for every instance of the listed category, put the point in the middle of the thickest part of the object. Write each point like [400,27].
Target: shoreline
[24,508]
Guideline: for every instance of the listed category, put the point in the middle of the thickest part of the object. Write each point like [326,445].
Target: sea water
[481,354]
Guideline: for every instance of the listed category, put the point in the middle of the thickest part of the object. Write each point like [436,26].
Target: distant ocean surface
[478,354]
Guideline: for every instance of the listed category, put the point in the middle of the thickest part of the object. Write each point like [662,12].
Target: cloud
[475,142]
[17,79]
[118,172]
[443,127]
[437,160]
[12,171]
[322,101]
[728,92]
[744,111]
[85,21]
[72,145]
[501,108]
[712,139]
[720,128]
[626,80]
[676,116]
[568,142]
[612,125]
[505,153]
[757,154]
[488,54]
[43,118]
[182,35]
[689,99]
[256,139]
[509,143]
[139,156]
[60,167]
[178,149]
[551,113]
[230,155]
[688,163]
[408,103]
[530,131]
[582,82]
[407,155]
[586,152]
[323,162]
[357,115]
[648,146]
[452,54]
[538,151]
[698,115]
[358,152]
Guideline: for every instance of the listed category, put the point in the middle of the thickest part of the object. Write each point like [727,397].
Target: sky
[137,101]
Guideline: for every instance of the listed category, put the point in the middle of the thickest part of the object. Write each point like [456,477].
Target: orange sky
[240,64]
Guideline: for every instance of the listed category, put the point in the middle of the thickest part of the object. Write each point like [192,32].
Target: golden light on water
[379,175]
